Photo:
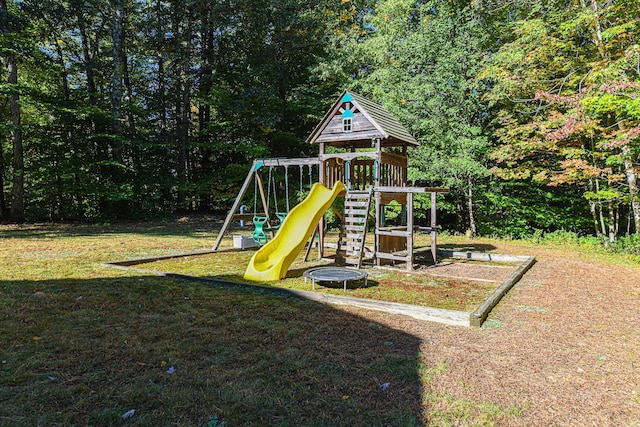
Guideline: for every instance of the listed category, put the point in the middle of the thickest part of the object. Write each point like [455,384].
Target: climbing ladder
[356,214]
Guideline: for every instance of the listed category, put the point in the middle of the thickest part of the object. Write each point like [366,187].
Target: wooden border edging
[481,256]
[448,317]
[480,314]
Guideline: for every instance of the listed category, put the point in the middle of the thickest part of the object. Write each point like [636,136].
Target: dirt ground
[563,345]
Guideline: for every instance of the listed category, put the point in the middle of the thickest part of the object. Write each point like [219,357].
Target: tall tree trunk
[595,26]
[593,208]
[64,76]
[4,27]
[632,182]
[612,222]
[181,143]
[204,109]
[117,89]
[131,120]
[472,220]
[86,56]
[3,206]
[17,189]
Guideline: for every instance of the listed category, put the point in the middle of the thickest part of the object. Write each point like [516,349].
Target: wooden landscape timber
[480,314]
[448,317]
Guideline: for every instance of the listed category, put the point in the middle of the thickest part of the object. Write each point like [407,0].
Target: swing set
[264,223]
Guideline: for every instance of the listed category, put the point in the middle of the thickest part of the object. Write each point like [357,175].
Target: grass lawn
[396,285]
[82,344]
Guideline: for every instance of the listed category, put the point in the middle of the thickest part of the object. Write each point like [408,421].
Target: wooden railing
[360,173]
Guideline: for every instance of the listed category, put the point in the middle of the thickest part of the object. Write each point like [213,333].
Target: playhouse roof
[366,120]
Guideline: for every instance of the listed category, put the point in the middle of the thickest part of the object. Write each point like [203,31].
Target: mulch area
[563,345]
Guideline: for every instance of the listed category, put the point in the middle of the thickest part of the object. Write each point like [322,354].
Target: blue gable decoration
[346,97]
[347,113]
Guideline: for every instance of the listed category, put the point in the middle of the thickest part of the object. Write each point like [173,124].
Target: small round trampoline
[334,275]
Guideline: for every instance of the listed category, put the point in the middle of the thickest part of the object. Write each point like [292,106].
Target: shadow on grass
[180,352]
[185,227]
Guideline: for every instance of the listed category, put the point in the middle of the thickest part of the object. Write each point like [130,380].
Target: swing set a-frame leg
[236,204]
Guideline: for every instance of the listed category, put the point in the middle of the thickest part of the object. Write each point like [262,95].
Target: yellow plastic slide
[272,261]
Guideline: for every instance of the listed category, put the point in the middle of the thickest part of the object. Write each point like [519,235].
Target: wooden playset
[362,146]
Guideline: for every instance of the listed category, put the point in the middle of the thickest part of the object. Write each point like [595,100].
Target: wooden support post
[378,225]
[308,251]
[410,231]
[434,249]
[322,178]
[262,196]
[235,207]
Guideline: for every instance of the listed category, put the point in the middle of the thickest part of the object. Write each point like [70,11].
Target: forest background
[134,109]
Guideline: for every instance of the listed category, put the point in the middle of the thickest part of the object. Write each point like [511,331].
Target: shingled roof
[373,121]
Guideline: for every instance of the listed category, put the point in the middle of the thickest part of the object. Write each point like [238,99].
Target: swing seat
[260,226]
[259,236]
[281,216]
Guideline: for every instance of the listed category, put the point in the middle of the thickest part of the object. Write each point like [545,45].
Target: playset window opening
[346,125]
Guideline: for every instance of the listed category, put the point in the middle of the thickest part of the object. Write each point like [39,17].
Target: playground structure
[362,147]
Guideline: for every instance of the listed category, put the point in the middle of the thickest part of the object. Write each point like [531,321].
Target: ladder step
[358,228]
[354,204]
[355,212]
[355,220]
[354,236]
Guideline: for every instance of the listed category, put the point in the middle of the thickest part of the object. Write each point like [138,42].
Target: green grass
[382,284]
[83,344]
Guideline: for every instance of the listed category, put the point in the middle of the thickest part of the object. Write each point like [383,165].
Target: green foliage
[626,245]
[520,209]
[567,83]
[206,86]
[569,238]
[538,94]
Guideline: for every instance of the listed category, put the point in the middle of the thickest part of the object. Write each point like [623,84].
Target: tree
[420,59]
[567,85]
[17,191]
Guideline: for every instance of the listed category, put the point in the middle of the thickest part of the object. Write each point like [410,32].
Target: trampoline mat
[334,274]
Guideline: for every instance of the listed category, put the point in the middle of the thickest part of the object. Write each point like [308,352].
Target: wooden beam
[434,228]
[348,156]
[410,229]
[262,196]
[302,161]
[480,314]
[410,190]
[236,206]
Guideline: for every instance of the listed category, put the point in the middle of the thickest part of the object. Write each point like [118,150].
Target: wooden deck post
[409,231]
[433,228]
